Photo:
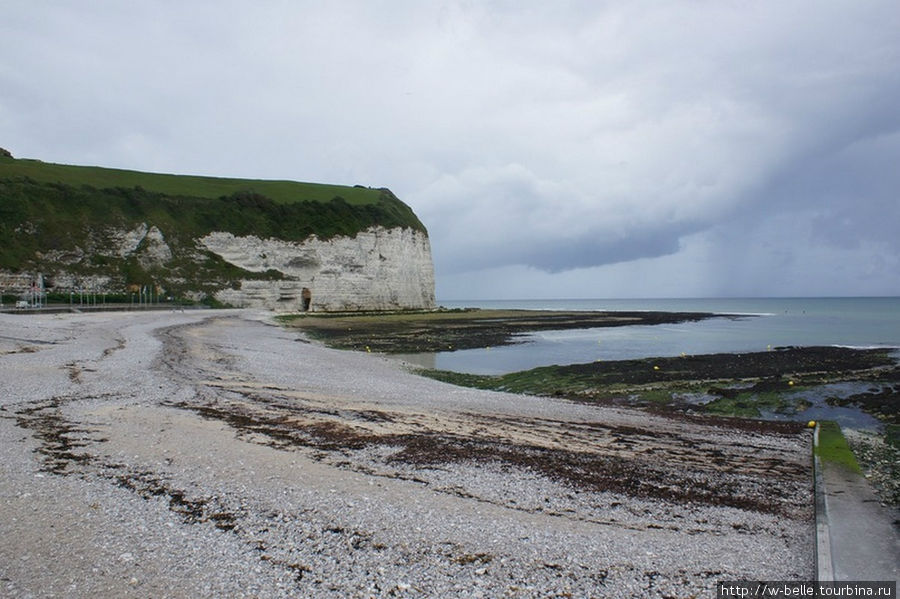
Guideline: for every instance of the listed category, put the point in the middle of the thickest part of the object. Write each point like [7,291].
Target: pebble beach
[216,454]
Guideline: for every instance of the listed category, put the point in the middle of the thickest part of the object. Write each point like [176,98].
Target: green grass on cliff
[183,185]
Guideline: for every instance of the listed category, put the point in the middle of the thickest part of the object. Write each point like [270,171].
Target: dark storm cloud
[697,137]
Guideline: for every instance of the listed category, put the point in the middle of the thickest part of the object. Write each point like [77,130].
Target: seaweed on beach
[883,403]
[681,469]
[739,384]
[771,365]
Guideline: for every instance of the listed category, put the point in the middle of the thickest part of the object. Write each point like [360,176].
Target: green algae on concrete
[833,446]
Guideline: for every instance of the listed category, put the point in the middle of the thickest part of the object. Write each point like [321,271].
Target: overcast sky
[553,149]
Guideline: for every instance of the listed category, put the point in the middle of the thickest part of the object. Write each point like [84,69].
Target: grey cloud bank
[578,149]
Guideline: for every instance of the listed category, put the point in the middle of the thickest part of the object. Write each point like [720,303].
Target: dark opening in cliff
[306,296]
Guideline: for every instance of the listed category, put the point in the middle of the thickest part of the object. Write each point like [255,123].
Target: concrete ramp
[858,537]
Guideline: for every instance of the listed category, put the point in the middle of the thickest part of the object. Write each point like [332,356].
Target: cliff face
[378,269]
[303,247]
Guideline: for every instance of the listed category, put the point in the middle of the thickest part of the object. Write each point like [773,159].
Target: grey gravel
[116,481]
[880,462]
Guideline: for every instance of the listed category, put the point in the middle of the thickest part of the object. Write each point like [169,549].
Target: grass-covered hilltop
[111,231]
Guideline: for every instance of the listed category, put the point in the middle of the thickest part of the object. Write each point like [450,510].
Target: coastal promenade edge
[857,538]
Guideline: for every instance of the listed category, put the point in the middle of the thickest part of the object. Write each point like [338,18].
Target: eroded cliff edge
[281,245]
[378,269]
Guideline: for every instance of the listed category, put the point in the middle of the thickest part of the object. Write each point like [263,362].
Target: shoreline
[739,383]
[783,387]
[214,454]
[459,329]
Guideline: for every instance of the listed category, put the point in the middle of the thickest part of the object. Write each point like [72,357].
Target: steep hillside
[110,230]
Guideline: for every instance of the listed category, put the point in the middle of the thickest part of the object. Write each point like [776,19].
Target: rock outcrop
[378,269]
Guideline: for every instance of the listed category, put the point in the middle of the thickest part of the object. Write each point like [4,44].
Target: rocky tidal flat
[409,332]
[215,454]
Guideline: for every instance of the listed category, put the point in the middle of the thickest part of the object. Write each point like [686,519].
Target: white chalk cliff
[377,269]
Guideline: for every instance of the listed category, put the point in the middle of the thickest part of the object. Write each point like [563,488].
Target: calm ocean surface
[746,325]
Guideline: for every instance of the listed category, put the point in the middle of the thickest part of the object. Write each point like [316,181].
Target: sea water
[742,325]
